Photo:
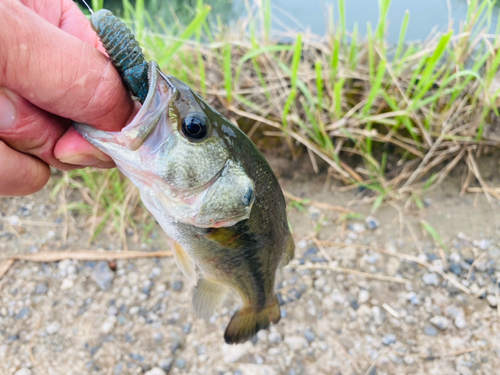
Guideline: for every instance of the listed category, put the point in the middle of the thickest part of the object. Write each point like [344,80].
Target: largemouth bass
[213,193]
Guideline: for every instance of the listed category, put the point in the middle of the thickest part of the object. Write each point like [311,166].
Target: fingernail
[7,111]
[80,160]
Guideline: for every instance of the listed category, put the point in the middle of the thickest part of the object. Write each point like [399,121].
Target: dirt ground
[366,294]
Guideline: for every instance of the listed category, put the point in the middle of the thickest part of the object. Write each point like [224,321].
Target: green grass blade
[196,23]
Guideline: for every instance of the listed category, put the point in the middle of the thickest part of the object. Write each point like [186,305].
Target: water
[426,16]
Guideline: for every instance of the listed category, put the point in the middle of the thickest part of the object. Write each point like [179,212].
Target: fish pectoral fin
[207,297]
[184,262]
[246,322]
[289,252]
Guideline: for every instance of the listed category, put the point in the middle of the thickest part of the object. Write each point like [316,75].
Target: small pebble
[41,288]
[53,327]
[201,349]
[363,296]
[13,220]
[311,251]
[67,284]
[180,363]
[492,300]
[319,283]
[389,339]
[155,371]
[274,337]
[109,324]
[103,275]
[430,331]
[136,357]
[167,363]
[354,304]
[302,244]
[377,315]
[177,285]
[186,328]
[158,337]
[456,269]
[296,342]
[23,371]
[356,227]
[430,279]
[483,244]
[118,368]
[460,321]
[12,338]
[24,312]
[409,360]
[309,335]
[372,223]
[440,322]
[413,298]
[3,351]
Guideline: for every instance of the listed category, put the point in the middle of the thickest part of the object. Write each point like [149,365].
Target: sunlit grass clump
[392,119]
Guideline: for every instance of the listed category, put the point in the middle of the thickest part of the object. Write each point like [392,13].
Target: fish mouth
[160,94]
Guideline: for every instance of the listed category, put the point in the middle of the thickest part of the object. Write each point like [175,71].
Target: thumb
[21,174]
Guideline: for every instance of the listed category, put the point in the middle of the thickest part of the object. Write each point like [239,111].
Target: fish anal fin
[289,252]
[184,262]
[207,297]
[246,322]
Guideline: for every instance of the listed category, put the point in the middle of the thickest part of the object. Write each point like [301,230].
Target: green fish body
[213,193]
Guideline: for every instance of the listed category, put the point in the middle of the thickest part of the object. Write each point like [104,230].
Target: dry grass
[393,120]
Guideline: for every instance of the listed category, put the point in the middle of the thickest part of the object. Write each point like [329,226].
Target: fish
[213,193]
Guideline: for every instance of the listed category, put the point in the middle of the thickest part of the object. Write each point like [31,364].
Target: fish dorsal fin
[184,262]
[207,297]
[289,252]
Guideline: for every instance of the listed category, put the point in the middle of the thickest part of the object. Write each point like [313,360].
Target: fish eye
[194,126]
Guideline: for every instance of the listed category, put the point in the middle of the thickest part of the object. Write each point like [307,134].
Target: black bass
[213,193]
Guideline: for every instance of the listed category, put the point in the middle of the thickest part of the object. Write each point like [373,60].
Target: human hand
[51,74]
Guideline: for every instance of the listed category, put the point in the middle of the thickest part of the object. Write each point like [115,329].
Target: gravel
[136,316]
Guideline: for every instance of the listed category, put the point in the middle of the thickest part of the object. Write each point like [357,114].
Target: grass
[391,119]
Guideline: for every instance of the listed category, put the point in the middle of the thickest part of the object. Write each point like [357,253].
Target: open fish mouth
[153,154]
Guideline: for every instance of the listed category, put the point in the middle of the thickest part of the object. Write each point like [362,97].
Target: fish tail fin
[246,322]
[289,252]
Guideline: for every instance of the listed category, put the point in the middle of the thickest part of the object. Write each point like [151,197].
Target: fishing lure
[123,50]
